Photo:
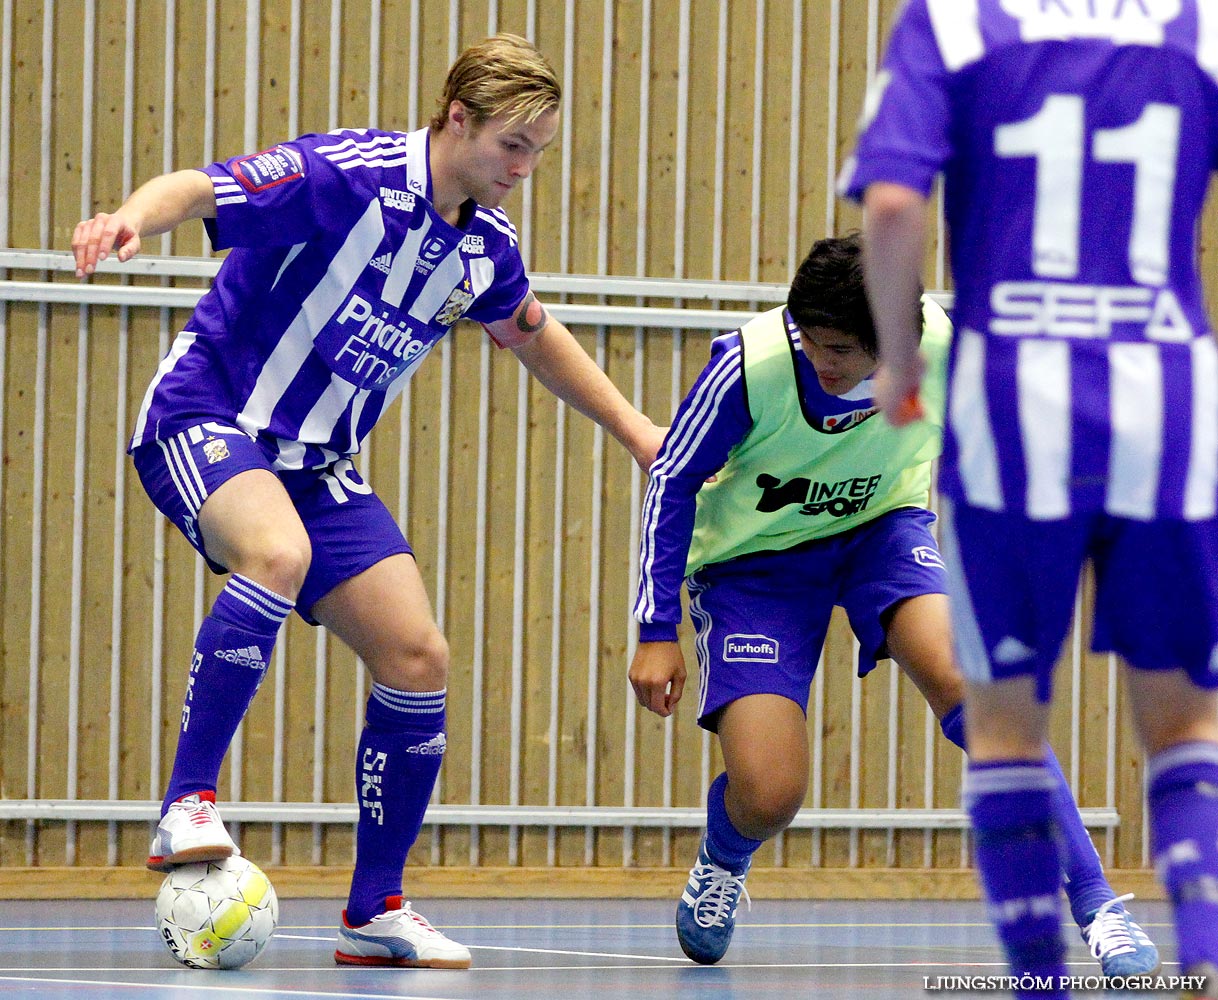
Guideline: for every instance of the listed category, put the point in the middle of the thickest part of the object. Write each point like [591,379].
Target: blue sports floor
[535,949]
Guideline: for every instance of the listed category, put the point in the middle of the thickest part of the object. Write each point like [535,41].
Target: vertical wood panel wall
[700,141]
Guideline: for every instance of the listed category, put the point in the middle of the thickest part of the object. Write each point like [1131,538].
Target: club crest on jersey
[455,306]
[268,169]
[839,422]
[216,450]
[403,201]
[840,499]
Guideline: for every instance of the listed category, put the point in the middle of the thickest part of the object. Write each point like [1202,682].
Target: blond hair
[502,75]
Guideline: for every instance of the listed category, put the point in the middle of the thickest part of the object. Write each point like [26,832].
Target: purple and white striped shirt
[1077,141]
[342,278]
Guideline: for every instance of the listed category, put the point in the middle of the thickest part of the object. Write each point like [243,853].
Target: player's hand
[658,676]
[95,238]
[898,391]
[646,445]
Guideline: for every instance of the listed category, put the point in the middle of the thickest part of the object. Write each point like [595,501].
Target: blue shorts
[349,528]
[1013,583]
[761,619]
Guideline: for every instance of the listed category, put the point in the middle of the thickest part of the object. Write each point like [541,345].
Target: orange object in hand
[910,408]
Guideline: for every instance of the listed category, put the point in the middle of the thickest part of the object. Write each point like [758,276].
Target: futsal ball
[216,914]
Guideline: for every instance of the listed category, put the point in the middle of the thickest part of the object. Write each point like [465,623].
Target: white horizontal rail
[663,317]
[175,298]
[613,817]
[206,267]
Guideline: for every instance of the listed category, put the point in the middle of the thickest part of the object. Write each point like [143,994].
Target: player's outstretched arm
[894,226]
[657,675]
[553,356]
[154,208]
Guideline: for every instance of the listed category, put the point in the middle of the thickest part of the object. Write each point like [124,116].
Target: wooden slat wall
[673,234]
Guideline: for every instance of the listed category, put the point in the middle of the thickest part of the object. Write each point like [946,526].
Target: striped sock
[1087,887]
[1183,800]
[1011,804]
[231,654]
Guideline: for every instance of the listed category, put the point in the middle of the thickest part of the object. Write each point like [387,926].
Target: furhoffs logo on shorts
[750,649]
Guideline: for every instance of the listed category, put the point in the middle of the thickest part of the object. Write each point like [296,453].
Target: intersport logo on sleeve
[750,649]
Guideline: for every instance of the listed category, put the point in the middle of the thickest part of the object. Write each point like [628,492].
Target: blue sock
[230,658]
[1183,800]
[727,846]
[399,758]
[1012,808]
[1086,887]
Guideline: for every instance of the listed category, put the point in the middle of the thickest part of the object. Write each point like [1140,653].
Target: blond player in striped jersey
[353,254]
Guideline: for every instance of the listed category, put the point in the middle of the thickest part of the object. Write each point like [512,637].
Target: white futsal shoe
[400,937]
[191,831]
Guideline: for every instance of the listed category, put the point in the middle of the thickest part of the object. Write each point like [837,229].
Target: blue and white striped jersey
[1077,141]
[342,278]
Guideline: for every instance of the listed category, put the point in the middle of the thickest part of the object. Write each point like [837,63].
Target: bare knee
[762,809]
[417,664]
[279,564]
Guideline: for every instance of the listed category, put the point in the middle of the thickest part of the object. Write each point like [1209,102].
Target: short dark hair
[828,291]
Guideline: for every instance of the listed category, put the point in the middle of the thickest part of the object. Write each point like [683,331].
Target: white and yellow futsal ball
[216,914]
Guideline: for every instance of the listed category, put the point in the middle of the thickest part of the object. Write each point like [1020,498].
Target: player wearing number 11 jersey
[1076,139]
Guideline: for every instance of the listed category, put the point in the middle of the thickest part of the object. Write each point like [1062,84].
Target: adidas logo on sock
[382,262]
[250,656]
[433,747]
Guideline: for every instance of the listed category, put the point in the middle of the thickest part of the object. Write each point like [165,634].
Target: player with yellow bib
[813,501]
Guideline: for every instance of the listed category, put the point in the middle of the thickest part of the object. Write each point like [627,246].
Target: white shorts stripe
[966,634]
[192,493]
[702,626]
